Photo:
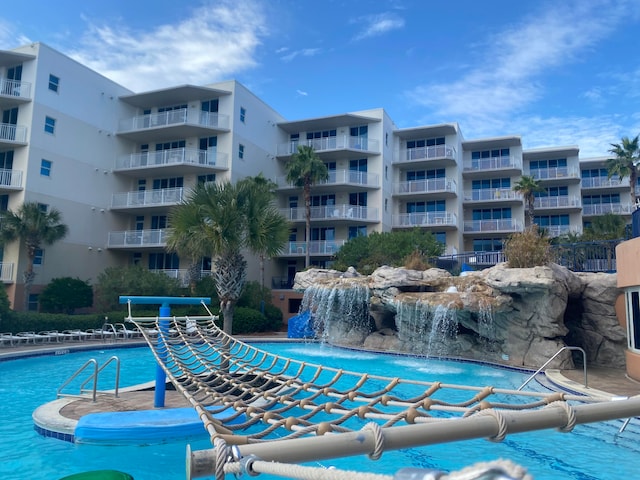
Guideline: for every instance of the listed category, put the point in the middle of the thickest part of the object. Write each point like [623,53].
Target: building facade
[114,162]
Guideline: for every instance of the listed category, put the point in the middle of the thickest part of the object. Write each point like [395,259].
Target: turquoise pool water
[590,452]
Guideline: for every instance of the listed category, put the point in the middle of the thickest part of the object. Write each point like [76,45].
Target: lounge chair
[11,339]
[32,337]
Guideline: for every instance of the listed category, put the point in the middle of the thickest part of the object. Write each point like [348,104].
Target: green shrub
[248,320]
[40,322]
[274,318]
[527,249]
[65,295]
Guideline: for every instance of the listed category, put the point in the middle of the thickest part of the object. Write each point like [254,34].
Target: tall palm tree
[304,170]
[231,218]
[625,162]
[35,227]
[528,187]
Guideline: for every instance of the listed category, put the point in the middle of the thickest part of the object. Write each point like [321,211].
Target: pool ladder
[93,377]
[584,365]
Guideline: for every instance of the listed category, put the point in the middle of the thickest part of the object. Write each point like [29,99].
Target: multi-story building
[114,162]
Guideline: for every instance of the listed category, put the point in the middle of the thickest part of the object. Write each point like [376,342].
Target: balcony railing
[175,156]
[435,152]
[341,177]
[180,116]
[10,178]
[605,182]
[562,201]
[554,172]
[147,198]
[138,238]
[603,208]
[486,194]
[431,185]
[340,142]
[493,163]
[325,247]
[556,230]
[498,225]
[15,88]
[13,133]
[6,272]
[332,212]
[424,219]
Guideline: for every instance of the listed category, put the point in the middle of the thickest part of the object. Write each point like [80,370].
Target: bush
[40,322]
[274,318]
[248,320]
[416,261]
[527,249]
[65,295]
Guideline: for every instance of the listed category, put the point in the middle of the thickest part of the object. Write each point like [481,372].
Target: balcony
[147,198]
[563,201]
[425,219]
[316,248]
[138,239]
[431,185]
[603,208]
[433,155]
[10,179]
[349,178]
[556,173]
[176,160]
[14,92]
[13,134]
[556,230]
[605,182]
[173,124]
[492,195]
[6,272]
[505,164]
[496,225]
[333,212]
[342,145]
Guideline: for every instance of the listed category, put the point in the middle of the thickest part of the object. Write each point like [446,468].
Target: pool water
[590,452]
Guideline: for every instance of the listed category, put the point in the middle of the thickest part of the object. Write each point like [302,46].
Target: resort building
[114,162]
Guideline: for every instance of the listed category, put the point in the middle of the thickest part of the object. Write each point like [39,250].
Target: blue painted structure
[301,326]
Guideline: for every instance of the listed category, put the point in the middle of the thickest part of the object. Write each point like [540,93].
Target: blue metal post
[161,377]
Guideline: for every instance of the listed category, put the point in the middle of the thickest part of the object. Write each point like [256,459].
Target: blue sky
[557,72]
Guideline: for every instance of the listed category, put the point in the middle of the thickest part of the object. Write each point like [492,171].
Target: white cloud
[302,93]
[305,52]
[379,24]
[214,43]
[9,38]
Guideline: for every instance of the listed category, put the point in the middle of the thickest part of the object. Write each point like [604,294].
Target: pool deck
[62,414]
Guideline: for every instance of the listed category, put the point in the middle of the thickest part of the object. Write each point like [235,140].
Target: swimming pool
[588,453]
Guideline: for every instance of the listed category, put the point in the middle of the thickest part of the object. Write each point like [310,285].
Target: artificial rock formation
[514,316]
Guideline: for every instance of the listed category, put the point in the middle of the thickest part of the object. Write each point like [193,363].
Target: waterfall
[486,326]
[444,328]
[337,308]
[428,329]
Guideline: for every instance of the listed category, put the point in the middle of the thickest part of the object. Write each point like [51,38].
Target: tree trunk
[227,308]
[28,276]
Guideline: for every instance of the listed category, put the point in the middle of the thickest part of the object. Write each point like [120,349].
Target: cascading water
[337,309]
[444,328]
[486,326]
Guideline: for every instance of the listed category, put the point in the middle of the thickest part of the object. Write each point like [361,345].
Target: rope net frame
[253,402]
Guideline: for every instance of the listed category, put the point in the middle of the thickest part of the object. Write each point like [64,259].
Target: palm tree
[35,227]
[304,170]
[625,162]
[528,187]
[230,218]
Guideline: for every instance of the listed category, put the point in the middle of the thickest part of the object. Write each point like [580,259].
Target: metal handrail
[93,376]
[584,365]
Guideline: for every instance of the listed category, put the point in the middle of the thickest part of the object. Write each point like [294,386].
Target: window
[487,245]
[136,258]
[174,182]
[431,206]
[54,83]
[49,125]
[158,222]
[45,167]
[163,261]
[43,207]
[33,302]
[441,237]
[357,231]
[632,298]
[491,214]
[38,258]
[243,114]
[209,178]
[425,174]
[545,164]
[241,151]
[427,142]
[503,183]
[497,153]
[6,160]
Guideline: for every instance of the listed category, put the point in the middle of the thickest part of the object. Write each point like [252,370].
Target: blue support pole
[164,314]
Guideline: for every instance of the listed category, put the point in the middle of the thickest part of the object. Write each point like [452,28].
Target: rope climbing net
[250,400]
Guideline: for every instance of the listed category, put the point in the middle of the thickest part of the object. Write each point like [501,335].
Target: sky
[555,72]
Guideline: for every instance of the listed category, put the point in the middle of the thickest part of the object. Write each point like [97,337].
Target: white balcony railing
[603,208]
[431,185]
[340,142]
[562,201]
[15,88]
[485,194]
[147,198]
[556,230]
[554,172]
[138,238]
[10,178]
[497,225]
[6,272]
[175,156]
[424,219]
[493,163]
[604,182]
[435,152]
[341,177]
[180,116]
[332,212]
[325,247]
[13,133]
